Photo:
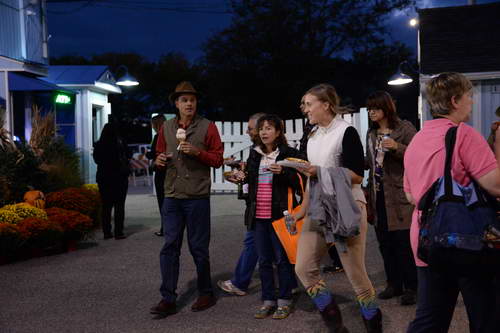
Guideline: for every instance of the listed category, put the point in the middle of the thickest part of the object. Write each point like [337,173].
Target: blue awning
[19,82]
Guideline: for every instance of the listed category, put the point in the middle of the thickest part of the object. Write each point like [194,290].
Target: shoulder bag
[457,221]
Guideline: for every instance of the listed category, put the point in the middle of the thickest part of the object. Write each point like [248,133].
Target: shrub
[20,171]
[91,187]
[24,210]
[62,166]
[8,216]
[76,199]
[74,224]
[39,232]
[10,239]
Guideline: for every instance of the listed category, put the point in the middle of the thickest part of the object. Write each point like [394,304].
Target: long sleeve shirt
[212,157]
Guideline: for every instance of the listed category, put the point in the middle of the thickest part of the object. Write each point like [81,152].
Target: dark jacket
[399,210]
[288,178]
[112,161]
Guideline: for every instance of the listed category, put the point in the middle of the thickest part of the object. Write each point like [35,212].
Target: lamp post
[126,80]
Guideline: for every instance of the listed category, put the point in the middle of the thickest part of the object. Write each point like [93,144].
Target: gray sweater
[332,205]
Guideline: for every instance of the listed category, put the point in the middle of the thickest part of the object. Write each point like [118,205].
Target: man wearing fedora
[187,196]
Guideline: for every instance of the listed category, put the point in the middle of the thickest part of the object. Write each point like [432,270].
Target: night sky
[86,28]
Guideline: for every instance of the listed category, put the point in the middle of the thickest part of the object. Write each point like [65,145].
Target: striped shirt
[265,184]
[264,193]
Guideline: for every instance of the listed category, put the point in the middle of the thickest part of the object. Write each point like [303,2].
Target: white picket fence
[237,143]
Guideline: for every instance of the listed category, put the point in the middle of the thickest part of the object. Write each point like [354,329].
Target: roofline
[99,86]
[475,76]
[433,9]
[27,66]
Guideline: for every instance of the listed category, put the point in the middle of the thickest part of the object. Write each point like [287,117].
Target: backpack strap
[450,139]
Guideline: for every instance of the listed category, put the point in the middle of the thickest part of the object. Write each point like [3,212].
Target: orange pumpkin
[35,198]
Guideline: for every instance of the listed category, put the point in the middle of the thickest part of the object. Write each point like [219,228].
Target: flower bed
[28,231]
[76,199]
[75,225]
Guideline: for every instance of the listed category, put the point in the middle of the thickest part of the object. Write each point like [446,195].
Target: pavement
[109,285]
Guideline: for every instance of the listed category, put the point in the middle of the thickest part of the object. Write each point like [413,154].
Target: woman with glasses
[386,143]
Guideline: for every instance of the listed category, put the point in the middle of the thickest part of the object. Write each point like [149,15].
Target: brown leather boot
[333,318]
[374,325]
[164,309]
[203,302]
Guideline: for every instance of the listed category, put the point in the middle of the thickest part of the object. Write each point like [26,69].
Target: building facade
[463,39]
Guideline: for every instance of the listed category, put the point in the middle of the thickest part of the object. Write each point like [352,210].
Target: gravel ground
[109,286]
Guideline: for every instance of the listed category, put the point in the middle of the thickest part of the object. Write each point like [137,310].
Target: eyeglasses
[373,110]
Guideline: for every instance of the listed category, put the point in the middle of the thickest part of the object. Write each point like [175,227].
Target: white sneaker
[230,288]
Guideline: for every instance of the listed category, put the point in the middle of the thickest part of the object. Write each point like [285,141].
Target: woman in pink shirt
[450,98]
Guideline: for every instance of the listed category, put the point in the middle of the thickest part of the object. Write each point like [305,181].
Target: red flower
[70,220]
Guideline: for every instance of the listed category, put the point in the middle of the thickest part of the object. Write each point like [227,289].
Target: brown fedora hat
[185,87]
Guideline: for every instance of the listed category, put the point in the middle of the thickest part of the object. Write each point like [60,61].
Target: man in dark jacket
[193,145]
[159,179]
[245,267]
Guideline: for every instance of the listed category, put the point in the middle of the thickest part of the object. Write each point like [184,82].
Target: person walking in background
[188,145]
[334,143]
[245,267]
[386,143]
[112,159]
[450,98]
[159,178]
[268,185]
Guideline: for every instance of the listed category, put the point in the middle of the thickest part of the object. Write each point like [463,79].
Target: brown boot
[204,302]
[374,325]
[164,309]
[333,318]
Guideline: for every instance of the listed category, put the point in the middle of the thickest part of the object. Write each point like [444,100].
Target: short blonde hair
[442,88]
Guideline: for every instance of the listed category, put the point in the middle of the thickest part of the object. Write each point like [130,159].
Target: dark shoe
[159,233]
[203,303]
[390,292]
[108,236]
[374,325]
[333,318]
[120,236]
[409,297]
[164,308]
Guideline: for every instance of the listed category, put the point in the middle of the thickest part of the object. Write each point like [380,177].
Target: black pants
[396,251]
[113,194]
[160,191]
[437,298]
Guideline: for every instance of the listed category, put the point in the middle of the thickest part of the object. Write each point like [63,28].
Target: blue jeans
[177,214]
[270,250]
[246,264]
[437,298]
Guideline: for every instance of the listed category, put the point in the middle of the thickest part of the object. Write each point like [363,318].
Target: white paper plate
[291,164]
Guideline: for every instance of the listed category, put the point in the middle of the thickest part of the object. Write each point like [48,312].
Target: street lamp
[413,22]
[400,78]
[126,80]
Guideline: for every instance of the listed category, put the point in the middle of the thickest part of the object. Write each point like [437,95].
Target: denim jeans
[270,250]
[247,262]
[178,214]
[437,298]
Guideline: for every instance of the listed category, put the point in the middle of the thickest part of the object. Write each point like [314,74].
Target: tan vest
[186,177]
